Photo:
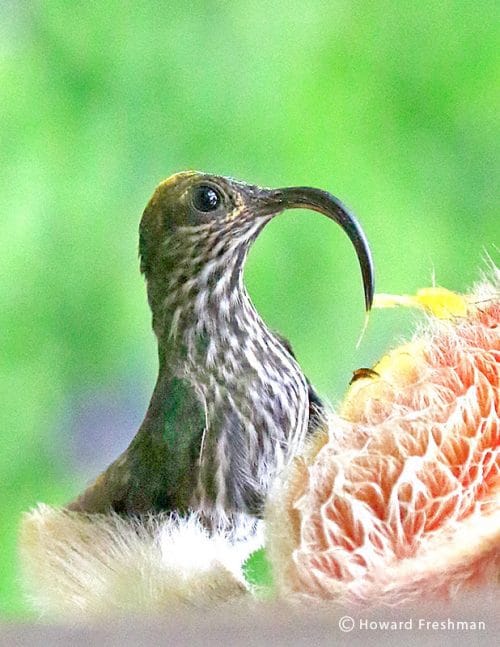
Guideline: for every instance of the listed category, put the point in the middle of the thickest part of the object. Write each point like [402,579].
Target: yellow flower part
[440,302]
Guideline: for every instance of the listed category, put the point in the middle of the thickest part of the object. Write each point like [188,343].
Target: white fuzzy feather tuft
[79,566]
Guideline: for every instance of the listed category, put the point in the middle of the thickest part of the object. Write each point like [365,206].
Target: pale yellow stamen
[440,302]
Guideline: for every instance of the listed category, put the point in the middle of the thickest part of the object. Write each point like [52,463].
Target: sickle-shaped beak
[277,200]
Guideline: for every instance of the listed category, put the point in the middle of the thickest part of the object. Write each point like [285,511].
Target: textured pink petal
[400,498]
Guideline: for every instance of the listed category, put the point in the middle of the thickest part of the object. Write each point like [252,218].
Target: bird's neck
[206,303]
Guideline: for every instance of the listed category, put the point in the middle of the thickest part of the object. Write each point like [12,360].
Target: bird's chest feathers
[243,373]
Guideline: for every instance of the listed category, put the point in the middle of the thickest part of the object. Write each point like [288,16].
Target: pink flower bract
[399,499]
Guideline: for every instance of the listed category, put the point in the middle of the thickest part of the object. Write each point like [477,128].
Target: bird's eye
[206,198]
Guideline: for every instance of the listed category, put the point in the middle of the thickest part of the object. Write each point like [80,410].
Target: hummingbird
[231,405]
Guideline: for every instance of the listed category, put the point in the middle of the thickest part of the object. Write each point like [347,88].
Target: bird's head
[198,224]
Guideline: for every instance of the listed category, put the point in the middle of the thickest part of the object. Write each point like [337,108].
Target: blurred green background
[390,105]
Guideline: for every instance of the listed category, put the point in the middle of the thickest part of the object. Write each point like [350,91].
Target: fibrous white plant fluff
[399,499]
[79,566]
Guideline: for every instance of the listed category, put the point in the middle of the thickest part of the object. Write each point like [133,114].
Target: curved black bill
[325,203]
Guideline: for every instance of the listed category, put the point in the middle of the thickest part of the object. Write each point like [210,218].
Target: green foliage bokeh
[390,105]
